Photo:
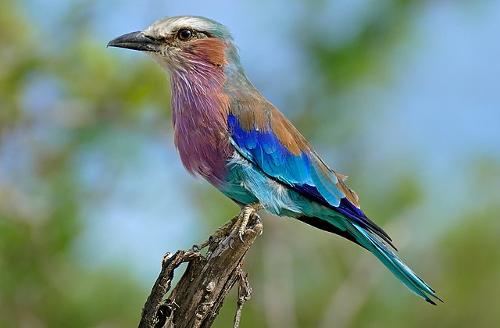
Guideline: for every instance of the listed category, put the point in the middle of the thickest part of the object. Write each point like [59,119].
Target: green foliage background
[301,277]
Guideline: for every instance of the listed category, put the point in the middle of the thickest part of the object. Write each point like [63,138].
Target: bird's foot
[219,234]
[246,213]
[196,248]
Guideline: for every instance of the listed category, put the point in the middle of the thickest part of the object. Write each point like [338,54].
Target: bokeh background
[403,96]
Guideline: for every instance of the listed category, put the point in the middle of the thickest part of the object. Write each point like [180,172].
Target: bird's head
[183,43]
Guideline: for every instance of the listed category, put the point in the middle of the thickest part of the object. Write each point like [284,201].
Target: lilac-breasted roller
[228,133]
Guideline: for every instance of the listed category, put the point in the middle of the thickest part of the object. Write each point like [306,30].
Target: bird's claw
[246,213]
[197,248]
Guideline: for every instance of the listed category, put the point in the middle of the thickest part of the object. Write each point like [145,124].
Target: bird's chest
[203,145]
[200,123]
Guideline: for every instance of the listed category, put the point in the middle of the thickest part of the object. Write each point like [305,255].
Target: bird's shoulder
[256,113]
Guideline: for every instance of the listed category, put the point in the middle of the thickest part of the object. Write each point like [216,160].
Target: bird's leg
[246,213]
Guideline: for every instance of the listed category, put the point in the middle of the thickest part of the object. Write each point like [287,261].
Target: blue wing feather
[302,172]
[264,149]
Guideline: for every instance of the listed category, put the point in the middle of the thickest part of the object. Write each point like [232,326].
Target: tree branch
[196,299]
[244,294]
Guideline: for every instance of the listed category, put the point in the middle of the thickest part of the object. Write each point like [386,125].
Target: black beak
[135,41]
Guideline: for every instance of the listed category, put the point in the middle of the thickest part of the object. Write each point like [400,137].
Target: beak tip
[134,41]
[111,43]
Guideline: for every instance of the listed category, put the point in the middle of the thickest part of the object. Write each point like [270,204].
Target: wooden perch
[196,299]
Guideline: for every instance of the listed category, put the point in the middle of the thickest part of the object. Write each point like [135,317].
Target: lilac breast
[200,125]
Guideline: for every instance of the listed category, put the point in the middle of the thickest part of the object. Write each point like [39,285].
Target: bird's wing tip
[436,297]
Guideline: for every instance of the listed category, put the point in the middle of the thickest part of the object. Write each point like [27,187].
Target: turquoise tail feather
[383,252]
[392,261]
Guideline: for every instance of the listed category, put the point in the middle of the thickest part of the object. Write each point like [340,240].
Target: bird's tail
[380,249]
[392,261]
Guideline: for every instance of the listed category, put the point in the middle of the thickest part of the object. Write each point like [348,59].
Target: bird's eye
[184,34]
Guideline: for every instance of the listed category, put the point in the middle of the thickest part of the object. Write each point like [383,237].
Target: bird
[228,133]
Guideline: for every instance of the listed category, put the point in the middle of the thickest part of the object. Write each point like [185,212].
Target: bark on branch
[196,299]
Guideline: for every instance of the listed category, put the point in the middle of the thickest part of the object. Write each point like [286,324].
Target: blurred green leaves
[41,283]
[361,55]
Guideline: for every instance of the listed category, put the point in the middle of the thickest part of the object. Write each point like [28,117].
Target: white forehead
[169,25]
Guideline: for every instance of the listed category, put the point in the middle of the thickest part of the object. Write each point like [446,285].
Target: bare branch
[196,299]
